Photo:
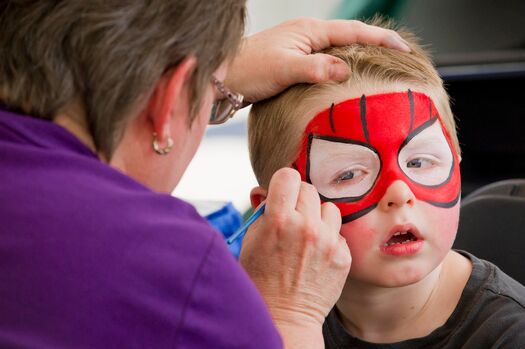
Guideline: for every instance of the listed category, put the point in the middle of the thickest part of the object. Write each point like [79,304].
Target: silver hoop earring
[162,150]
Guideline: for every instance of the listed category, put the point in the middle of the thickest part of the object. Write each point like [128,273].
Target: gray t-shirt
[490,314]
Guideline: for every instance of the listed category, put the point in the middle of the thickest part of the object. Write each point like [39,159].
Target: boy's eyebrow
[336,155]
[429,140]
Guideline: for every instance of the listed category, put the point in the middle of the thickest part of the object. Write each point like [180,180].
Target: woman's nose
[397,195]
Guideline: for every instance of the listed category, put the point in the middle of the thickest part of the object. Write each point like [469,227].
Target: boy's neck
[388,315]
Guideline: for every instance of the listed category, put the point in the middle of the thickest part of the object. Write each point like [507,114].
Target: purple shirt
[89,258]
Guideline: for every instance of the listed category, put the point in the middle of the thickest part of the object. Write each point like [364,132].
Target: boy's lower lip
[405,249]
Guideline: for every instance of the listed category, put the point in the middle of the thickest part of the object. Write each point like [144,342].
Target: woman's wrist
[299,329]
[307,335]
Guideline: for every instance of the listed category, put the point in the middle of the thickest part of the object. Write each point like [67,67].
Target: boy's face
[389,165]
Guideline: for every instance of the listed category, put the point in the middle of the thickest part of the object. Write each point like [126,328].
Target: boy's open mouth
[401,237]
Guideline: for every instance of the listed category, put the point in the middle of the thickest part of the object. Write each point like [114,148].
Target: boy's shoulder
[492,308]
[494,283]
[505,286]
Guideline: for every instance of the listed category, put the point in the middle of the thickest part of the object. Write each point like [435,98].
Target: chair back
[492,226]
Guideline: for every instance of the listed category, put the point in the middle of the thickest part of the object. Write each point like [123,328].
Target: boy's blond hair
[276,125]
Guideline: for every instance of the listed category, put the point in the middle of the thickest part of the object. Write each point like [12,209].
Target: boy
[383,147]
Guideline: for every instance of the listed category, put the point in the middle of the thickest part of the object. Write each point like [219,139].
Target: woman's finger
[331,216]
[345,32]
[283,192]
[316,68]
[309,206]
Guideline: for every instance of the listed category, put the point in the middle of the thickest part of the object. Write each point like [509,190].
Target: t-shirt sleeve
[498,316]
[514,335]
[224,309]
[508,328]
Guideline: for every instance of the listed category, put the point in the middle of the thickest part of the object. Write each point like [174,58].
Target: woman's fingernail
[339,71]
[397,43]
[401,44]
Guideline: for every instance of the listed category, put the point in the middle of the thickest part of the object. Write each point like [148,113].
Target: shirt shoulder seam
[500,294]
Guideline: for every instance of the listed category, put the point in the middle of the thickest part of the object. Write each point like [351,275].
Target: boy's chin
[388,278]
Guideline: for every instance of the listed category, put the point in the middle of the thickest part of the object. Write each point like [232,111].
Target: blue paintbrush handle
[242,230]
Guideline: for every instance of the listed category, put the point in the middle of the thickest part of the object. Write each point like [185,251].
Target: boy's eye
[340,170]
[349,175]
[416,163]
[420,163]
[427,158]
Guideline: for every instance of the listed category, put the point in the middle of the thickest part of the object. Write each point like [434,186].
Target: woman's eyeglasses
[225,106]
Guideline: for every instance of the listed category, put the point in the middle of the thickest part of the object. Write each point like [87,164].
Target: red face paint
[392,136]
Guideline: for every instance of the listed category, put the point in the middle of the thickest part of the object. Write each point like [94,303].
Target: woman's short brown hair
[107,54]
[276,125]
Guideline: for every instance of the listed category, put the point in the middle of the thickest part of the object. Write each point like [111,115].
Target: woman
[104,105]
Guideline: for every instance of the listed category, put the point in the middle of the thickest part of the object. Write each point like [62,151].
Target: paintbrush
[239,233]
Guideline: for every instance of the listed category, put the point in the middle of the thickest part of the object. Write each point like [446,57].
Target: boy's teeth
[409,238]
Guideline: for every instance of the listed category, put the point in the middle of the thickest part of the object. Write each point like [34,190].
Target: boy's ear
[257,195]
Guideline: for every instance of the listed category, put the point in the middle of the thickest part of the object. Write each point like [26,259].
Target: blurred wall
[263,14]
[452,26]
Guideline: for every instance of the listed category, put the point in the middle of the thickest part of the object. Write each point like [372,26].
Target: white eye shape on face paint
[342,170]
[427,158]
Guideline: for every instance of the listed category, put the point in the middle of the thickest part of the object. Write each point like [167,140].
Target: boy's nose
[397,195]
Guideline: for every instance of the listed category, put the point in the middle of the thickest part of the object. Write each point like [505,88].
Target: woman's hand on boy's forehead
[274,59]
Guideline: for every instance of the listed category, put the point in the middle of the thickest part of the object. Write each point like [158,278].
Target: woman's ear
[257,196]
[170,97]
